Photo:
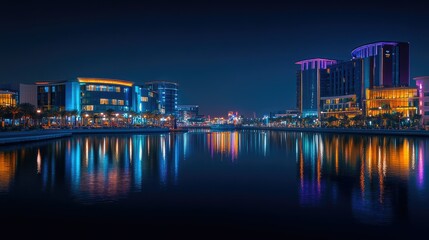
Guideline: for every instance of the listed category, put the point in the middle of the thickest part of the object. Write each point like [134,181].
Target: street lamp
[38,117]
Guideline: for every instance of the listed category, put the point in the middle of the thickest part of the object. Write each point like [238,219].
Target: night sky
[226,55]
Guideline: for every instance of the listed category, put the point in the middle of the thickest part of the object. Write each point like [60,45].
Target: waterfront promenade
[7,138]
[394,132]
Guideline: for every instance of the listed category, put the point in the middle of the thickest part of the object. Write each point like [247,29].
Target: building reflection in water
[228,144]
[111,167]
[373,172]
[8,162]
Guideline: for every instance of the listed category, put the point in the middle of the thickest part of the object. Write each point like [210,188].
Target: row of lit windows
[144,99]
[105,101]
[7,100]
[340,100]
[104,88]
[391,94]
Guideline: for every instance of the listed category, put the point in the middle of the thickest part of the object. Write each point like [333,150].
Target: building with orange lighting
[340,106]
[97,95]
[422,84]
[392,100]
[8,98]
[377,77]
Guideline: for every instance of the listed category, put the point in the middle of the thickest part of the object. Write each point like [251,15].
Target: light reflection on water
[376,178]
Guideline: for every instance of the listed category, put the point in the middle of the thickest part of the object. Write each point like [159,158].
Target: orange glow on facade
[389,100]
[106,81]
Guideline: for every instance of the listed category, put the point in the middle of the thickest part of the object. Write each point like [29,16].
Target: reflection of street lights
[86,119]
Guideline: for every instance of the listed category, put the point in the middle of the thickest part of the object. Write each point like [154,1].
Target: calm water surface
[240,184]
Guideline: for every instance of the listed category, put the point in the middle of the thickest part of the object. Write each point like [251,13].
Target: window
[88,108]
[426,94]
[110,89]
[114,102]
[151,94]
[104,101]
[426,103]
[90,88]
[144,99]
[121,102]
[426,113]
[118,89]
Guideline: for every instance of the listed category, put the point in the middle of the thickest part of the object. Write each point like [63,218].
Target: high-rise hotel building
[308,83]
[375,81]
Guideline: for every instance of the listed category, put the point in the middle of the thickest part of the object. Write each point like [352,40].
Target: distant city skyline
[225,55]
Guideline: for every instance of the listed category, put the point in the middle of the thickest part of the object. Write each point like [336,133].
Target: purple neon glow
[315,63]
[369,50]
[421,167]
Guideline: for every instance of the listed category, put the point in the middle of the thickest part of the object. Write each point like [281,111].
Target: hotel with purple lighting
[375,81]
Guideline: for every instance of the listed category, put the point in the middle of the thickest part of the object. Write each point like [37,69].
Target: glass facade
[386,64]
[167,95]
[342,79]
[340,106]
[8,98]
[145,101]
[51,96]
[100,95]
[390,100]
[308,84]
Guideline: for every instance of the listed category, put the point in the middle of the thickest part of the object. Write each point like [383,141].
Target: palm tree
[132,114]
[331,119]
[13,110]
[74,113]
[28,111]
[109,113]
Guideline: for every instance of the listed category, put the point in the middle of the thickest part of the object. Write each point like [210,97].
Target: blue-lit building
[98,95]
[385,64]
[309,76]
[145,101]
[56,96]
[187,112]
[167,95]
[339,88]
[342,91]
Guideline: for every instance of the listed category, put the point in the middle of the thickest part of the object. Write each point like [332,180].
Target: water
[239,184]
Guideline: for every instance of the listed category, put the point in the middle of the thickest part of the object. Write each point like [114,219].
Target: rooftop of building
[355,51]
[161,81]
[106,81]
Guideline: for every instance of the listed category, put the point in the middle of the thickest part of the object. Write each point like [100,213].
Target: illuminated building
[339,106]
[8,98]
[99,95]
[385,64]
[186,112]
[58,96]
[390,100]
[145,100]
[422,84]
[309,77]
[341,89]
[167,95]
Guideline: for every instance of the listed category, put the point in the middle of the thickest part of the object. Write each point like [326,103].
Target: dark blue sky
[226,55]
